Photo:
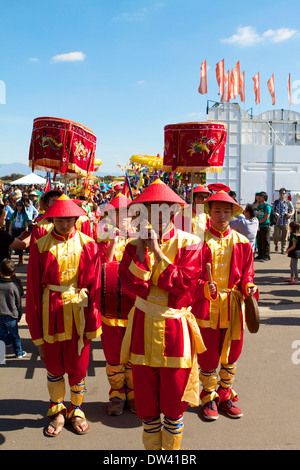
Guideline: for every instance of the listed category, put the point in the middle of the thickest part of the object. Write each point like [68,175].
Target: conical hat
[218,187]
[158,192]
[222,196]
[201,189]
[64,207]
[118,202]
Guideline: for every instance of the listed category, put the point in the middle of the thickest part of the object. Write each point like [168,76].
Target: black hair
[7,267]
[264,195]
[251,209]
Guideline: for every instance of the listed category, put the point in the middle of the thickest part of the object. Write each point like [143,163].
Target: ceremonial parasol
[62,146]
[151,161]
[193,147]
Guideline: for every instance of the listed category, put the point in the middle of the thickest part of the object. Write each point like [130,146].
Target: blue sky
[125,69]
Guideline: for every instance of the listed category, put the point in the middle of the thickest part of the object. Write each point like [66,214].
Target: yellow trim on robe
[74,300]
[154,326]
[114,321]
[138,272]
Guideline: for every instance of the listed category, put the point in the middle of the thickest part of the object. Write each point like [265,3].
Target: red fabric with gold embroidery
[194,146]
[62,146]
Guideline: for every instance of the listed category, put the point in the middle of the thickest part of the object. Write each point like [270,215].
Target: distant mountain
[18,168]
[23,169]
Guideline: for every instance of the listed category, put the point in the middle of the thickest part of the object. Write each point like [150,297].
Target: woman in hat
[161,339]
[222,320]
[116,304]
[63,309]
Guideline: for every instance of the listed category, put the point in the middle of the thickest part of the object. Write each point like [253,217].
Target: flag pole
[129,185]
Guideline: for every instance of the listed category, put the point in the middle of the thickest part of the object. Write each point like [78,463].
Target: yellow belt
[191,393]
[74,300]
[235,327]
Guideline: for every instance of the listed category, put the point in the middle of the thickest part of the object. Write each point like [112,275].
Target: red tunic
[63,288]
[162,341]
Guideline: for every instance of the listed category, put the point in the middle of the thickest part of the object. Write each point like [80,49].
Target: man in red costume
[116,304]
[222,320]
[162,336]
[63,309]
[200,220]
[43,225]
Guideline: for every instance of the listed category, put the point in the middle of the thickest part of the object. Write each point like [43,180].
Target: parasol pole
[191,200]
[66,184]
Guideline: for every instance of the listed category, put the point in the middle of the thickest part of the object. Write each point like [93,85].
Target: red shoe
[210,410]
[230,409]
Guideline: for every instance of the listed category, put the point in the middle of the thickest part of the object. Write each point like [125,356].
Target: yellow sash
[235,327]
[74,300]
[191,393]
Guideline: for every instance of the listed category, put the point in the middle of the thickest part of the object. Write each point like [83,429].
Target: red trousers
[213,340]
[62,358]
[111,340]
[159,390]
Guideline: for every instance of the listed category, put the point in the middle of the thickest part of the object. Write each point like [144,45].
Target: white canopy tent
[30,179]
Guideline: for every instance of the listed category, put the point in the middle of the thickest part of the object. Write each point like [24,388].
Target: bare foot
[80,425]
[56,425]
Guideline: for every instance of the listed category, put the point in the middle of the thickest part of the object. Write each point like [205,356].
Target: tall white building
[262,152]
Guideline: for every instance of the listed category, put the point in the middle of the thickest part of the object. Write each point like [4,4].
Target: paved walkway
[267,381]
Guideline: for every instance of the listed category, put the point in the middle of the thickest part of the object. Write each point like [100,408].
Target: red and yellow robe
[222,319]
[63,288]
[161,330]
[115,307]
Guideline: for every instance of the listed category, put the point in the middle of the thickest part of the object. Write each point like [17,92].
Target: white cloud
[69,57]
[279,35]
[248,36]
[33,59]
[140,82]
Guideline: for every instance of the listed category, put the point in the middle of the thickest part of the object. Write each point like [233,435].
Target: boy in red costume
[116,304]
[63,309]
[222,320]
[162,336]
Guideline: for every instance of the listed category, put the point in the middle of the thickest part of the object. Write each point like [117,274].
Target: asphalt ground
[267,382]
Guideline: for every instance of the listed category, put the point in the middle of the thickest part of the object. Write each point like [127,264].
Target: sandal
[77,422]
[54,425]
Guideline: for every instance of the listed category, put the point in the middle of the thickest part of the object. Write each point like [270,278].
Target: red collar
[62,237]
[219,234]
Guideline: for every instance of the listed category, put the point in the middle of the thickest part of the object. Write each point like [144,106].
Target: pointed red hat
[201,189]
[118,202]
[218,187]
[221,196]
[118,186]
[64,207]
[158,192]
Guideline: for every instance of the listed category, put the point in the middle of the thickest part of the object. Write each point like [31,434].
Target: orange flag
[226,96]
[203,79]
[220,76]
[289,90]
[235,81]
[271,86]
[242,87]
[256,88]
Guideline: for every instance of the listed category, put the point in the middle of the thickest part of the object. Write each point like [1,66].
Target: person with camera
[284,210]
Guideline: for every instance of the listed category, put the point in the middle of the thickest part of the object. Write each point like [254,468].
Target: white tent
[30,179]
